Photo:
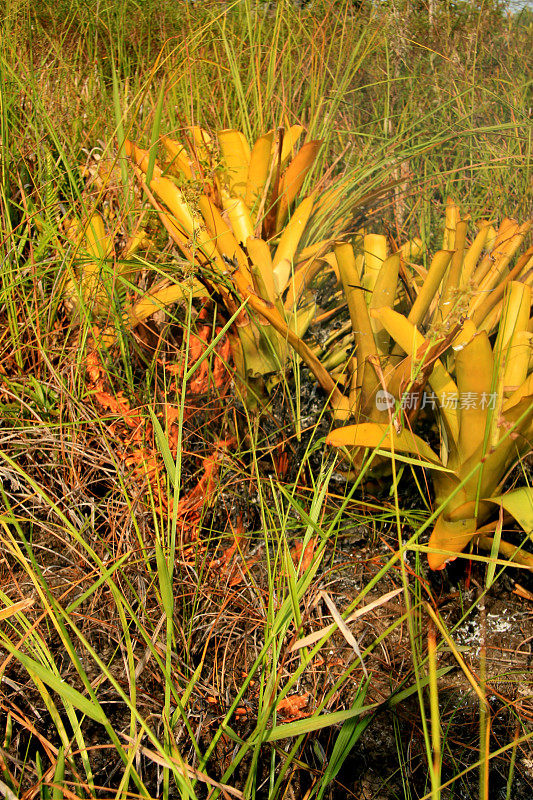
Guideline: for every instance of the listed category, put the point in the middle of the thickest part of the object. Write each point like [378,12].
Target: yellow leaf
[452,217]
[162,298]
[202,143]
[378,435]
[258,170]
[429,289]
[450,537]
[174,200]
[236,152]
[223,237]
[98,244]
[317,249]
[259,253]
[141,158]
[518,503]
[282,272]
[449,298]
[503,240]
[239,217]
[375,252]
[362,328]
[412,341]
[526,390]
[497,270]
[511,349]
[290,137]
[474,366]
[293,179]
[384,294]
[181,162]
[411,249]
[290,238]
[473,253]
[15,608]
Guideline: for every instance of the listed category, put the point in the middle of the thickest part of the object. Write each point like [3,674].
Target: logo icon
[384,400]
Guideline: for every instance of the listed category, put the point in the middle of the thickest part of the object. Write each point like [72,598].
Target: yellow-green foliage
[482,392]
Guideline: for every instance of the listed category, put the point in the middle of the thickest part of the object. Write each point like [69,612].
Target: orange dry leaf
[203,488]
[95,370]
[292,706]
[198,343]
[120,405]
[146,462]
[307,559]
[172,414]
[238,537]
[220,372]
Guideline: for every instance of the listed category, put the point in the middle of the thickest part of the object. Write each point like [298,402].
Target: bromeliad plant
[369,276]
[483,393]
[240,223]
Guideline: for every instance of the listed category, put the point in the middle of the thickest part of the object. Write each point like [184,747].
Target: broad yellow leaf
[412,341]
[504,239]
[141,158]
[236,153]
[162,298]
[518,503]
[259,253]
[290,137]
[290,238]
[384,294]
[202,143]
[282,272]
[181,163]
[362,328]
[378,435]
[474,366]
[453,215]
[524,263]
[219,229]
[509,351]
[239,217]
[293,179]
[449,298]
[498,268]
[97,242]
[430,287]
[375,252]
[258,171]
[450,537]
[473,253]
[174,200]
